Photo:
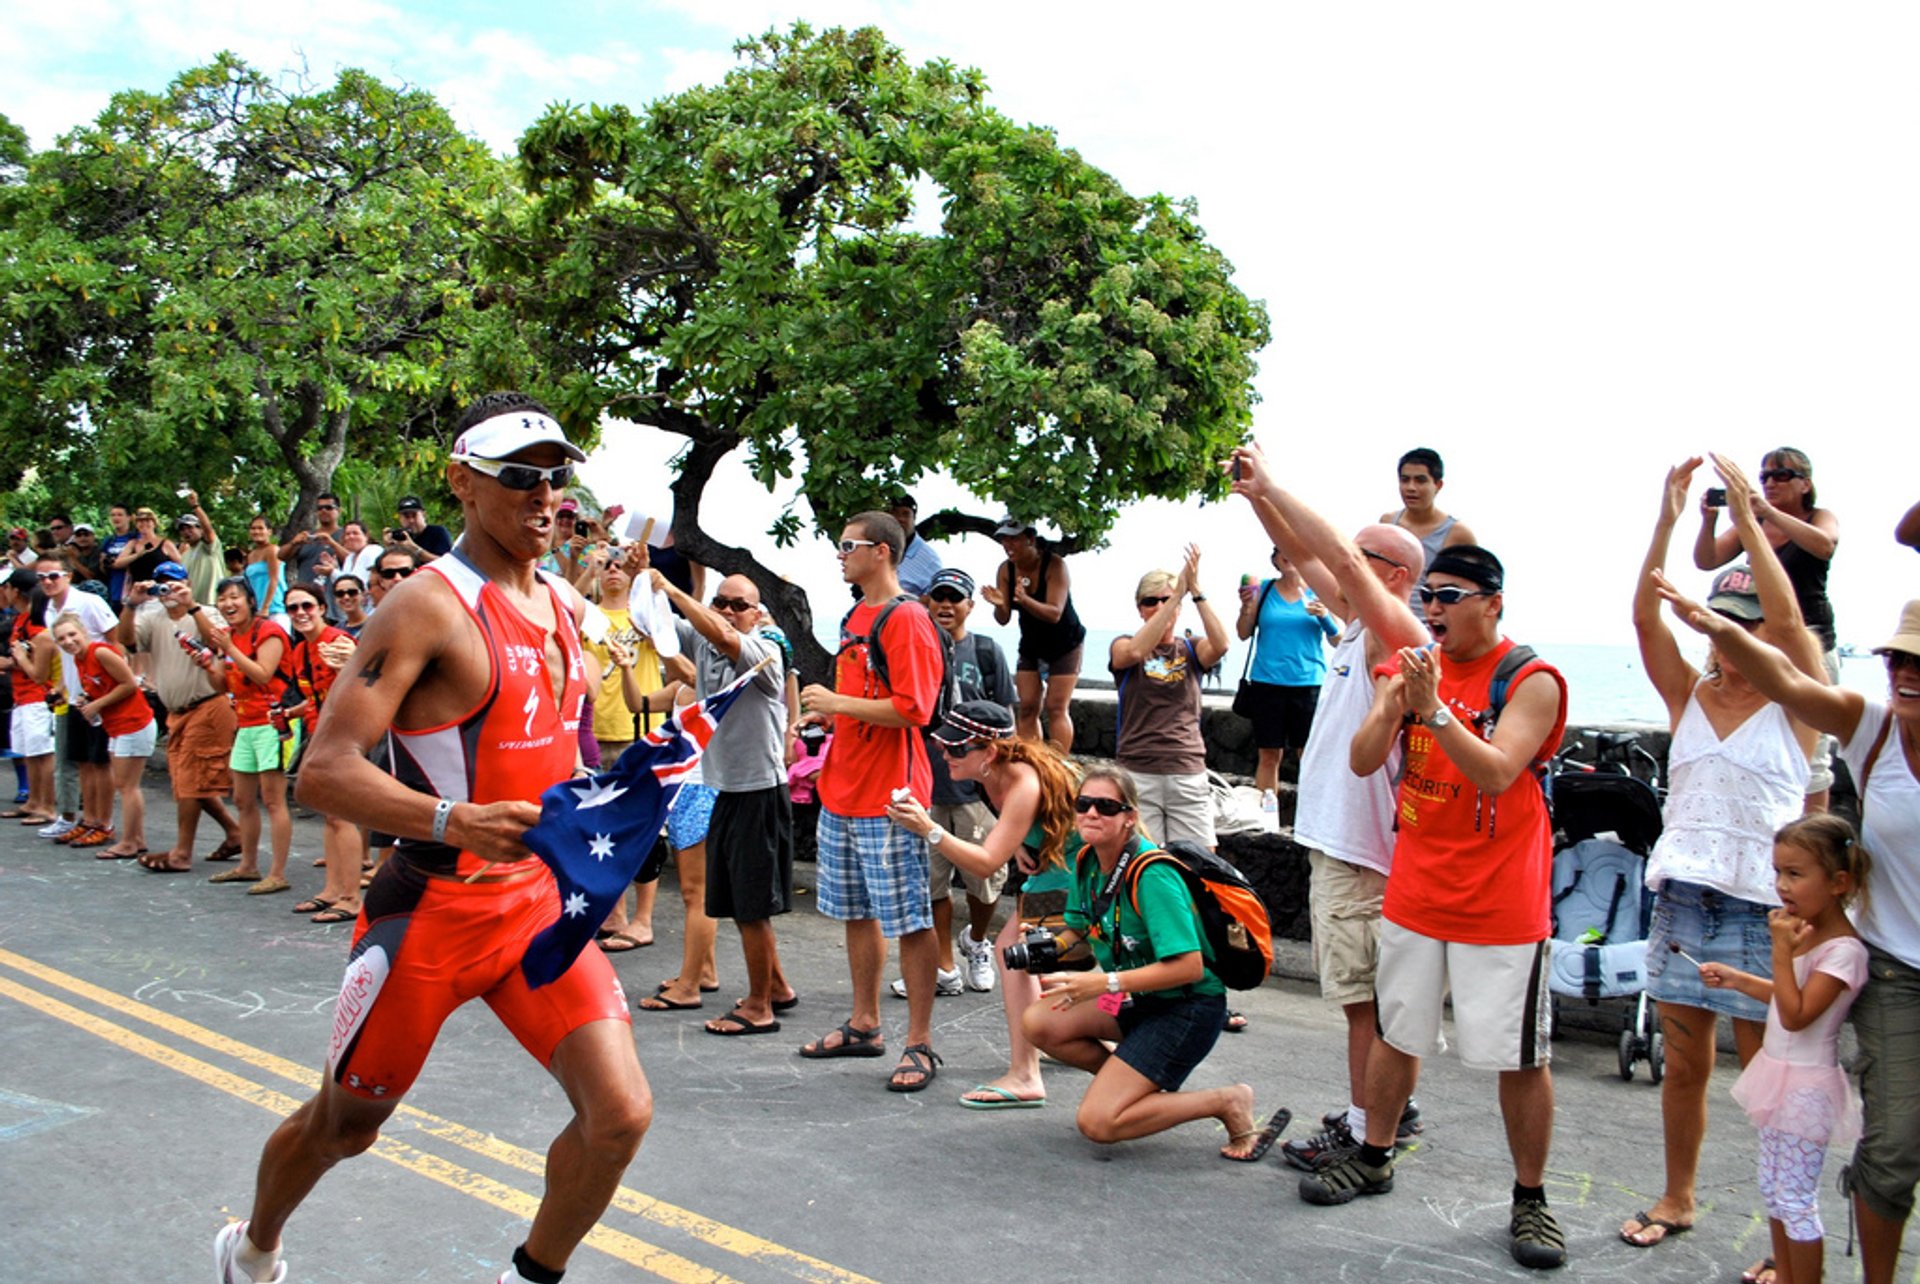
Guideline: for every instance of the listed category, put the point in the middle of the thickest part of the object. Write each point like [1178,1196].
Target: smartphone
[1236,468]
[1717,497]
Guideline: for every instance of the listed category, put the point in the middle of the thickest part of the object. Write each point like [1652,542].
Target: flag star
[600,793]
[576,905]
[601,846]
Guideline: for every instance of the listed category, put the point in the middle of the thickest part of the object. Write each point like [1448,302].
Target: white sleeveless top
[1346,816]
[1725,800]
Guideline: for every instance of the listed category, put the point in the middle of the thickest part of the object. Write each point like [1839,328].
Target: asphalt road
[155,1029]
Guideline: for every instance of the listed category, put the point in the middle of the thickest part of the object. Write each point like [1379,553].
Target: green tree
[740,265]
[239,284]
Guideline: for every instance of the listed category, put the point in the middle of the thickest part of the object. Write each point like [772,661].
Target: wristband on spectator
[441,811]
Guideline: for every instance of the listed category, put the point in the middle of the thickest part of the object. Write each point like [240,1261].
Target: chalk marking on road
[718,1234]
[38,1114]
[662,1263]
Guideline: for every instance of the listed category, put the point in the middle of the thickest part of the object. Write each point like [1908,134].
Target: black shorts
[1282,716]
[750,855]
[86,743]
[1164,1039]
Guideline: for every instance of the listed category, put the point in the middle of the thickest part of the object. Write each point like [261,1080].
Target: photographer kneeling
[1152,994]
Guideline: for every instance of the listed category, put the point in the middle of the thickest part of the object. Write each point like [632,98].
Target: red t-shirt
[869,762]
[1468,868]
[314,675]
[250,700]
[25,689]
[122,717]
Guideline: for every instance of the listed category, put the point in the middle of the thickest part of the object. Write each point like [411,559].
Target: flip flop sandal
[854,1042]
[334,914]
[1263,1137]
[160,866]
[236,876]
[1647,1222]
[661,1003]
[1006,1100]
[783,1005]
[268,886]
[1753,1274]
[313,905]
[733,1023]
[630,943]
[134,855]
[227,850]
[920,1059]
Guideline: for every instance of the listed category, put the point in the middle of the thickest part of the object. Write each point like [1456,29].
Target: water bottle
[1269,811]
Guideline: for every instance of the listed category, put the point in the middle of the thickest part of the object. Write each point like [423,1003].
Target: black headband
[1487,577]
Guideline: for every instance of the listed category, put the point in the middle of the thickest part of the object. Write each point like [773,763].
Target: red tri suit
[424,946]
[1468,868]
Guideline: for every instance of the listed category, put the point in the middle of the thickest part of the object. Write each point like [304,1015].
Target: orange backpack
[1234,918]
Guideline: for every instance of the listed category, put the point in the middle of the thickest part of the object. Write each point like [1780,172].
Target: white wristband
[441,811]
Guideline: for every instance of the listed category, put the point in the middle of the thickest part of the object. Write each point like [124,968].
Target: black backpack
[949,694]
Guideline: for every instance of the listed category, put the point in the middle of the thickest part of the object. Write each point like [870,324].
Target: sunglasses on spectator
[1450,594]
[302,606]
[1155,601]
[961,750]
[1780,474]
[395,572]
[51,575]
[340,592]
[519,476]
[326,508]
[848,545]
[1105,806]
[947,595]
[731,604]
[1382,557]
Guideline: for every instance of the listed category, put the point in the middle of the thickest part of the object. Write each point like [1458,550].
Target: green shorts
[257,749]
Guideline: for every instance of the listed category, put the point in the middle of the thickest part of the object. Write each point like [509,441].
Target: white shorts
[1173,807]
[32,730]
[138,744]
[1501,1005]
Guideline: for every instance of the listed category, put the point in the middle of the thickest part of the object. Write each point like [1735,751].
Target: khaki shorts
[970,821]
[198,742]
[1174,807]
[1344,902]
[1501,1005]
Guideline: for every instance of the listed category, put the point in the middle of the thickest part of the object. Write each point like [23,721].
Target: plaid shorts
[872,868]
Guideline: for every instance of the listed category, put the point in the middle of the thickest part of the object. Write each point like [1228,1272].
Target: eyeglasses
[302,606]
[947,595]
[731,604]
[961,750]
[1105,806]
[326,508]
[340,592]
[848,545]
[1780,474]
[1450,594]
[1382,557]
[1154,601]
[51,575]
[395,572]
[519,476]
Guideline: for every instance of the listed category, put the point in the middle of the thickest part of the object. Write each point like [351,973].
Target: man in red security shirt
[872,873]
[475,665]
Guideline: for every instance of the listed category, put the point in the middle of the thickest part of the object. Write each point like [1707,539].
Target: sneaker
[1410,1125]
[1536,1240]
[1345,1178]
[56,829]
[945,984]
[226,1249]
[78,831]
[976,962]
[1322,1150]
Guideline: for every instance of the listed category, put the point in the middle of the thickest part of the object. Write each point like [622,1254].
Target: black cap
[975,720]
[411,504]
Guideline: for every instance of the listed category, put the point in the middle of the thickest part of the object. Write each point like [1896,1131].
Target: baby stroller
[1606,817]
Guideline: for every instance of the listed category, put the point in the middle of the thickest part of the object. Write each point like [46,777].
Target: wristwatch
[935,836]
[1113,983]
[1438,718]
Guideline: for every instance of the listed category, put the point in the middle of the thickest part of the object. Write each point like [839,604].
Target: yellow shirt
[612,720]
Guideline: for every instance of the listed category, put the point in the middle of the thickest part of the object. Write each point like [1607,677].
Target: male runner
[475,666]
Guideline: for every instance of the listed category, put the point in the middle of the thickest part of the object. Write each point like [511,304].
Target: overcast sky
[1563,245]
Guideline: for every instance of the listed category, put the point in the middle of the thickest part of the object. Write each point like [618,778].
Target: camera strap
[1109,894]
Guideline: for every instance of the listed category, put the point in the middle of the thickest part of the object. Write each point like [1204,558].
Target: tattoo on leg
[371,671]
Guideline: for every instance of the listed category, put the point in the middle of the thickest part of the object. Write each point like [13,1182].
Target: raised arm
[1311,568]
[1782,625]
[1213,643]
[1660,655]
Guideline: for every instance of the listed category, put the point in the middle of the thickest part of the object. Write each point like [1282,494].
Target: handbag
[1243,694]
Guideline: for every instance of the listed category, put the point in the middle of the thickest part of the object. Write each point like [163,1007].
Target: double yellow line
[657,1261]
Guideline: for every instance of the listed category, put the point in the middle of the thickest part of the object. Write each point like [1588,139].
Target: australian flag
[594,832]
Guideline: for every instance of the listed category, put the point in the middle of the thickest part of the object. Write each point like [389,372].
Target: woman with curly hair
[1030,788]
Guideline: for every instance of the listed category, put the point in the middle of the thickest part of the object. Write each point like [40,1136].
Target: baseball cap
[411,504]
[954,578]
[569,506]
[22,580]
[975,720]
[170,571]
[18,532]
[82,526]
[187,519]
[901,499]
[1010,526]
[1733,595]
[511,432]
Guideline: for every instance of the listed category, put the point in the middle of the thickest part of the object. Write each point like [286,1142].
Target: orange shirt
[122,717]
[251,700]
[869,762]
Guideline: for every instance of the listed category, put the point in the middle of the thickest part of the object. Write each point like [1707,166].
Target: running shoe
[1536,1239]
[226,1249]
[1410,1125]
[946,984]
[73,834]
[1323,1149]
[60,826]
[94,837]
[976,961]
[1345,1178]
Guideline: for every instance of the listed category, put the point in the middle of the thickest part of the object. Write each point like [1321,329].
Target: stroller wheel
[1657,1057]
[1626,1055]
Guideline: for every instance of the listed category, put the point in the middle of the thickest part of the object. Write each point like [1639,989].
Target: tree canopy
[743,265]
[233,282]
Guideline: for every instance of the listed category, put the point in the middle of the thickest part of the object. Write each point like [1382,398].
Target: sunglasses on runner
[519,476]
[1450,594]
[848,545]
[731,604]
[396,572]
[1780,474]
[1105,806]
